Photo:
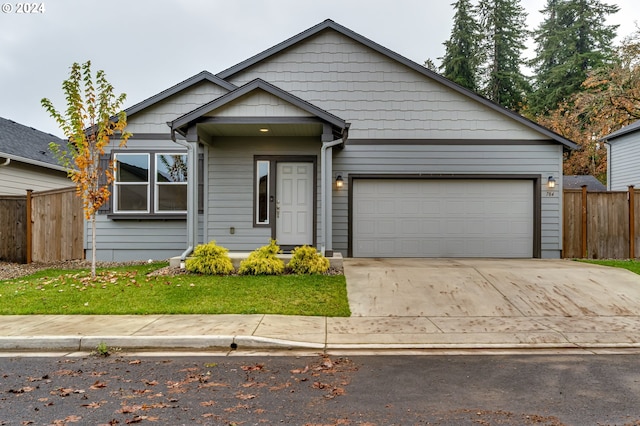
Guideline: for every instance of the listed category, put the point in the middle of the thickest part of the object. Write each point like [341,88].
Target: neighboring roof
[578,181]
[625,130]
[27,145]
[329,24]
[191,81]
[257,84]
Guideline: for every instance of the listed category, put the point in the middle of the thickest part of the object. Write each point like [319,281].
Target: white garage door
[442,218]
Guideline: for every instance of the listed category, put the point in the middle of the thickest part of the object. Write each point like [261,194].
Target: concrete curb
[241,342]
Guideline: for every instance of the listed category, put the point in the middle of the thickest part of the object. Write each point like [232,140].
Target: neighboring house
[578,181]
[26,161]
[332,140]
[623,157]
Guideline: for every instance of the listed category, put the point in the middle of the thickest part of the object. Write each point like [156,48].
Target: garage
[443,218]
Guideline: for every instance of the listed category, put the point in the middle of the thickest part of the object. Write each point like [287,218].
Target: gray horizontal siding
[230,187]
[625,162]
[140,239]
[538,159]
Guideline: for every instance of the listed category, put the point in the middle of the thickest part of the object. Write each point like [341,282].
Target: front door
[294,203]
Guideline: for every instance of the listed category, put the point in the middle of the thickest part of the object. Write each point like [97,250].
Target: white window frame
[157,184]
[117,184]
[152,184]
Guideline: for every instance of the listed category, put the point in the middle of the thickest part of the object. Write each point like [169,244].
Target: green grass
[631,265]
[128,290]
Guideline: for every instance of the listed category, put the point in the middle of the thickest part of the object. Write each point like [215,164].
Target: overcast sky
[146,46]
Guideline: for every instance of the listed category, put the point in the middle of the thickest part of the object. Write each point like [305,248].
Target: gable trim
[621,132]
[253,85]
[329,24]
[191,81]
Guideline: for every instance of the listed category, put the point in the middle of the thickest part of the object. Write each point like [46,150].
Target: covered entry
[434,217]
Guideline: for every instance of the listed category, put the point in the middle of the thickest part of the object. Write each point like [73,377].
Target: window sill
[146,216]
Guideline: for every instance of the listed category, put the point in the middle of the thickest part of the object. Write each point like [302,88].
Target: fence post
[583,245]
[29,226]
[632,224]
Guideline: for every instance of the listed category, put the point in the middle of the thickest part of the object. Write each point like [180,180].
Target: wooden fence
[13,228]
[601,225]
[53,233]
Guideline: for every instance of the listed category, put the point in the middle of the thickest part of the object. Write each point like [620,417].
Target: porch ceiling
[213,130]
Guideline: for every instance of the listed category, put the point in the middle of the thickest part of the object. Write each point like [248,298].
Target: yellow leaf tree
[93,119]
[610,100]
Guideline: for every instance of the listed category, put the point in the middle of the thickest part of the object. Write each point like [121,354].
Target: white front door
[294,203]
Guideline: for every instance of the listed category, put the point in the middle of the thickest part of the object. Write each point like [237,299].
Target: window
[262,192]
[150,183]
[171,182]
[131,185]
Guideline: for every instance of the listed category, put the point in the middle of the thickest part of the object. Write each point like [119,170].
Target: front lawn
[128,290]
[631,265]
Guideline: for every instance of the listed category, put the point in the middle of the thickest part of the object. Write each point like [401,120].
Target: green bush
[307,260]
[210,259]
[263,261]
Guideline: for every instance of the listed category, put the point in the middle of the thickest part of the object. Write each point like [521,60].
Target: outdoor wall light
[339,182]
[551,182]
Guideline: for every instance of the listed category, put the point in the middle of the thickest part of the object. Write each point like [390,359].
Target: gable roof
[257,84]
[191,81]
[28,145]
[621,132]
[331,25]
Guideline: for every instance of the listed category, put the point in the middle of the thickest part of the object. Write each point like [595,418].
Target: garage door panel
[443,218]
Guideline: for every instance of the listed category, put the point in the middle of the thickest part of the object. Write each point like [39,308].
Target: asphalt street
[321,390]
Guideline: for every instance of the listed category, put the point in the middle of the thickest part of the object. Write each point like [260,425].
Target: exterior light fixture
[551,182]
[339,182]
[264,130]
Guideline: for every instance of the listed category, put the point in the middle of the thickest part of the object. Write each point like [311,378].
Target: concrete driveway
[489,288]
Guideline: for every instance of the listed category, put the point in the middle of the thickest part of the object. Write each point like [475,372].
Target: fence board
[57,226]
[572,224]
[13,228]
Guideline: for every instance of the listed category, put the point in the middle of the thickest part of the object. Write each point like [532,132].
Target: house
[578,181]
[26,161]
[623,157]
[332,140]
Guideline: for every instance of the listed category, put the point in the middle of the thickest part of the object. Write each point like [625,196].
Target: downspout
[7,160]
[325,188]
[192,194]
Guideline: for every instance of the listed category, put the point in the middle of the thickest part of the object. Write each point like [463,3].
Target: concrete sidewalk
[444,304]
[253,332]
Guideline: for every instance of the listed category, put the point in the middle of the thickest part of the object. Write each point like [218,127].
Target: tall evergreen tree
[572,40]
[460,62]
[504,32]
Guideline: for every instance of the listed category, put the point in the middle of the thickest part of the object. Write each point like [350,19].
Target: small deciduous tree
[93,116]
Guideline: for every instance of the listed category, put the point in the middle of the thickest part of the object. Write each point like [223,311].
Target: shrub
[210,259]
[307,260]
[263,261]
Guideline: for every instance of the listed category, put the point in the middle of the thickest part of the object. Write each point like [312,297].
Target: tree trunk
[93,246]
